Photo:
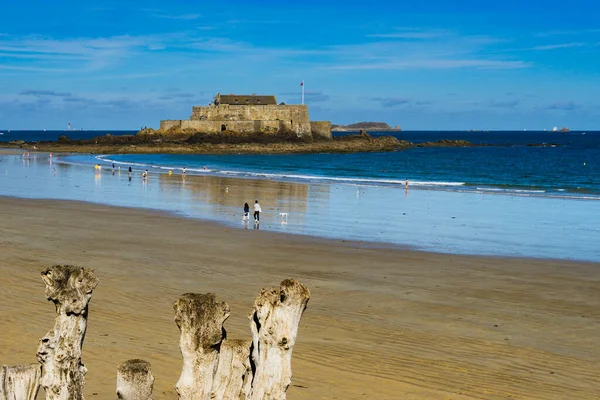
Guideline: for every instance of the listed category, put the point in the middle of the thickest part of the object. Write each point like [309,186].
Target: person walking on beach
[246,212]
[406,183]
[184,171]
[257,211]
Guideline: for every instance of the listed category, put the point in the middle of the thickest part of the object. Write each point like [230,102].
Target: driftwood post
[200,319]
[234,373]
[134,380]
[219,368]
[21,382]
[59,352]
[274,325]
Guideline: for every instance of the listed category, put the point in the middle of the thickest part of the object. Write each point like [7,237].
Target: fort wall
[167,124]
[288,118]
[320,129]
[251,117]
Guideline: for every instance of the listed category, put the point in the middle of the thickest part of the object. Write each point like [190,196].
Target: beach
[400,307]
[382,322]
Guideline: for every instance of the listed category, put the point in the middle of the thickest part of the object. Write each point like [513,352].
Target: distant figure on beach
[246,212]
[54,171]
[406,183]
[113,167]
[257,211]
[184,170]
[145,174]
[205,167]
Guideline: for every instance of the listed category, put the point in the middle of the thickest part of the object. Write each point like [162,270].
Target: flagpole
[302,92]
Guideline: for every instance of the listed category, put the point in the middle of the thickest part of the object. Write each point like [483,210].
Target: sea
[526,193]
[528,163]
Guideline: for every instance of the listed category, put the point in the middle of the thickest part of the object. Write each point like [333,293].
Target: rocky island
[370,126]
[150,141]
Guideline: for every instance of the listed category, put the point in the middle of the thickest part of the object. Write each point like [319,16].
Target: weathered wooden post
[134,380]
[274,325]
[219,368]
[200,319]
[21,382]
[234,373]
[59,352]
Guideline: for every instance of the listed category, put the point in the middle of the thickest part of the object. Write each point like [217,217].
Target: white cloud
[558,46]
[178,16]
[434,64]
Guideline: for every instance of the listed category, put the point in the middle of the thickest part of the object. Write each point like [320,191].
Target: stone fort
[250,114]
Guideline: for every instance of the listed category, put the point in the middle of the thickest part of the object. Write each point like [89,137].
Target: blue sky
[421,65]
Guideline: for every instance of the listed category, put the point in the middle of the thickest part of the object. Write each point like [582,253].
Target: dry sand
[382,323]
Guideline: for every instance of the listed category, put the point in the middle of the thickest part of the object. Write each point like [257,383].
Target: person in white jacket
[257,211]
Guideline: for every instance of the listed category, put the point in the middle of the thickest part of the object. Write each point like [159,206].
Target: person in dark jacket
[246,212]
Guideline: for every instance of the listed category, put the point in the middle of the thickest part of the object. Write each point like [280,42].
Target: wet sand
[382,323]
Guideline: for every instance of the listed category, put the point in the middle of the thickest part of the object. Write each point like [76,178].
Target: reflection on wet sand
[229,194]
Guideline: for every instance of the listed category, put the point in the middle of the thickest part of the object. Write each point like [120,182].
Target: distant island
[149,141]
[371,126]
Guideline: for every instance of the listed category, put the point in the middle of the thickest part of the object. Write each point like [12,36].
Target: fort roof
[242,99]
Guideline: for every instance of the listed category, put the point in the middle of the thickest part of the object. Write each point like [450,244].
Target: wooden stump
[274,325]
[134,380]
[21,382]
[200,319]
[234,373]
[59,352]
[216,368]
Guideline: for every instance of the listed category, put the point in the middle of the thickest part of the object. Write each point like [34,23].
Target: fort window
[223,128]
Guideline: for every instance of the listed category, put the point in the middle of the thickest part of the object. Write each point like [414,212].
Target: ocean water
[566,165]
[439,219]
[7,135]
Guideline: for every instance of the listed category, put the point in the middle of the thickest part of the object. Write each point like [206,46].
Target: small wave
[337,178]
[509,190]
[274,175]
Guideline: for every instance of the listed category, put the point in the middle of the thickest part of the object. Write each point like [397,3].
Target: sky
[426,65]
